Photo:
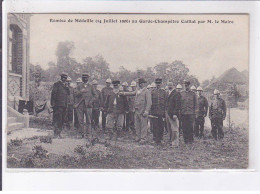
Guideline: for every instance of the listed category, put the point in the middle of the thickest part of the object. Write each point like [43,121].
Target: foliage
[16,142]
[98,68]
[39,152]
[46,139]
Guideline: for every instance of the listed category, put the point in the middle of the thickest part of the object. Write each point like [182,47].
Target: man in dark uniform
[96,106]
[217,114]
[115,106]
[188,112]
[104,93]
[202,113]
[158,111]
[59,101]
[86,94]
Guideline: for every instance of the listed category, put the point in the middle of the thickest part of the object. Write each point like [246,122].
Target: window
[15,49]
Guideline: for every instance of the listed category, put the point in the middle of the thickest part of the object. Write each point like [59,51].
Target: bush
[16,142]
[46,139]
[39,152]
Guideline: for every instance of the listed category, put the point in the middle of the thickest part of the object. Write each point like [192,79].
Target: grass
[72,153]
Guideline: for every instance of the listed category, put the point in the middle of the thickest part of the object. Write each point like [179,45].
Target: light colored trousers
[82,111]
[141,126]
[173,128]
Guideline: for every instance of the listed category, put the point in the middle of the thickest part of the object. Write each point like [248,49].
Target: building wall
[18,56]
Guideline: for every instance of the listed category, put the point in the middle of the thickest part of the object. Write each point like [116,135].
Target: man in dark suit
[85,92]
[59,100]
[115,106]
[173,102]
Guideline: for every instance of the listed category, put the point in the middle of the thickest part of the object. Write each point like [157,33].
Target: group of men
[136,109]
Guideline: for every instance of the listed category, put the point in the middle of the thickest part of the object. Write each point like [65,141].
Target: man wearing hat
[96,106]
[69,111]
[59,102]
[217,114]
[142,108]
[76,100]
[131,102]
[104,93]
[158,111]
[115,106]
[126,115]
[188,112]
[202,113]
[86,93]
[173,103]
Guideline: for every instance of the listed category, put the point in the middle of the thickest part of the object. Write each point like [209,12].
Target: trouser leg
[132,121]
[202,121]
[59,115]
[191,128]
[184,122]
[161,127]
[143,127]
[110,119]
[95,118]
[127,121]
[220,128]
[168,123]
[81,111]
[214,129]
[138,126]
[197,127]
[88,122]
[104,116]
[76,122]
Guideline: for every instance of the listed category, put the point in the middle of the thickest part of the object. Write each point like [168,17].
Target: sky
[207,49]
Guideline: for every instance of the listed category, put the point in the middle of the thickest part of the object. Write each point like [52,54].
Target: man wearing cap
[217,114]
[158,111]
[104,93]
[173,103]
[86,93]
[188,112]
[115,105]
[69,110]
[202,113]
[96,106]
[59,102]
[193,89]
[76,100]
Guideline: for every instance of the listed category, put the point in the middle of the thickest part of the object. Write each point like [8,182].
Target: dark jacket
[121,104]
[202,106]
[59,95]
[97,100]
[87,93]
[217,109]
[188,103]
[173,103]
[104,93]
[158,102]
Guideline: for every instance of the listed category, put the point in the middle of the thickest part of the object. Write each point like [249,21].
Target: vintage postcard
[127,91]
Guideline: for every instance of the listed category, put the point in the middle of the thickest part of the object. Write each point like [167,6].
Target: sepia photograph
[127,91]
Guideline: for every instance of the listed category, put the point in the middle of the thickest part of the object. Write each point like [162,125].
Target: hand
[83,90]
[121,93]
[145,114]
